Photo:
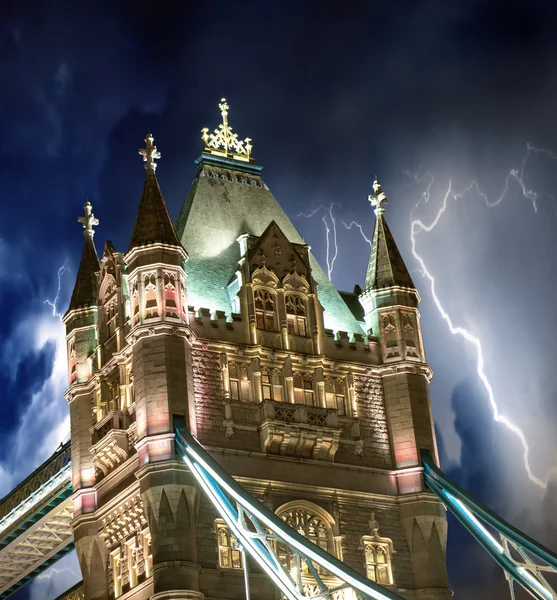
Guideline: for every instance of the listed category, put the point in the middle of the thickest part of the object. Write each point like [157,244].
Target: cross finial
[88,220]
[150,153]
[378,198]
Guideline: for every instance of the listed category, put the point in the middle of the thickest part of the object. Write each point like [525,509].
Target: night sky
[424,94]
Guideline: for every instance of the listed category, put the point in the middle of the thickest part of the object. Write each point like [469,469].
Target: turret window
[170,296]
[110,319]
[296,315]
[72,363]
[240,385]
[135,302]
[151,296]
[230,555]
[303,389]
[378,562]
[265,310]
[271,383]
[335,394]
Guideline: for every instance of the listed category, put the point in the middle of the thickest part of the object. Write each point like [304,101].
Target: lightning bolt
[54,571]
[63,269]
[330,235]
[516,175]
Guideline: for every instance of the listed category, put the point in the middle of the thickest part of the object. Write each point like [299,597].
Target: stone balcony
[288,429]
[110,438]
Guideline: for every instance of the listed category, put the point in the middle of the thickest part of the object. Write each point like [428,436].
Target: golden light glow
[223,142]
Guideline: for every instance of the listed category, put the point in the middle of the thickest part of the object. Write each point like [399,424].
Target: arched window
[271,382]
[239,383]
[116,572]
[135,302]
[303,389]
[296,315]
[72,363]
[230,556]
[311,521]
[378,562]
[335,394]
[110,319]
[265,310]
[150,286]
[170,296]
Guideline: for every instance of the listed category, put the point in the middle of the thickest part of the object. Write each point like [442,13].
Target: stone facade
[324,428]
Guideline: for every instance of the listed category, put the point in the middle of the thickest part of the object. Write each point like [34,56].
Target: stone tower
[315,401]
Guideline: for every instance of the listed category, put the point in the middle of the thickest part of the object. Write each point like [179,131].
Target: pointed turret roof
[386,267]
[153,223]
[85,289]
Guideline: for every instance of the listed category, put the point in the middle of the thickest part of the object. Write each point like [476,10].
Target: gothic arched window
[170,296]
[110,319]
[150,286]
[311,521]
[378,562]
[135,302]
[296,315]
[72,363]
[265,304]
[239,383]
[335,394]
[230,556]
[271,382]
[303,389]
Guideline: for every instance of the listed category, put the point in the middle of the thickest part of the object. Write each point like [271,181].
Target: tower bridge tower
[316,401]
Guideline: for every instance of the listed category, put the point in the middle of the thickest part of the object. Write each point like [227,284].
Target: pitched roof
[222,204]
[153,223]
[85,289]
[386,267]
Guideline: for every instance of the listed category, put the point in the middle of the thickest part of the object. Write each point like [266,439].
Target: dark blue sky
[421,94]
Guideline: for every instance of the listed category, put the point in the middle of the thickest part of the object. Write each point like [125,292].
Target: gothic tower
[315,401]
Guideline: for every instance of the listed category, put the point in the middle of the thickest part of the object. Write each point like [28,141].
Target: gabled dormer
[274,288]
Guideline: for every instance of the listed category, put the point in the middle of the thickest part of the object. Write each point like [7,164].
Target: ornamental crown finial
[378,198]
[150,153]
[224,142]
[88,220]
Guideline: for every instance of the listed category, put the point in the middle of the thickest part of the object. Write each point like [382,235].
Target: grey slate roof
[214,214]
[386,267]
[85,289]
[153,223]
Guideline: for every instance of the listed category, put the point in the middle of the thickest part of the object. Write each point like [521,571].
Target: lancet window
[378,562]
[265,314]
[170,296]
[296,315]
[150,286]
[110,313]
[303,389]
[314,525]
[135,302]
[335,394]
[271,382]
[230,556]
[72,363]
[240,385]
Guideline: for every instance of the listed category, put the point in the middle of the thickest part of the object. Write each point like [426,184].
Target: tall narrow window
[72,363]
[110,317]
[303,389]
[150,286]
[116,568]
[131,548]
[135,302]
[147,552]
[335,394]
[170,296]
[296,315]
[378,562]
[230,556]
[271,382]
[240,385]
[265,310]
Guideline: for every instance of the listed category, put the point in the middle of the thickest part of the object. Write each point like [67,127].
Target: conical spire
[153,223]
[386,267]
[85,289]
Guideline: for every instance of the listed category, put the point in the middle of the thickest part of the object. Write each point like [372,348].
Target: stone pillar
[171,502]
[92,554]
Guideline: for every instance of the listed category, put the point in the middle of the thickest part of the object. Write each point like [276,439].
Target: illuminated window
[240,385]
[335,394]
[170,296]
[72,363]
[265,310]
[116,569]
[296,315]
[230,555]
[110,319]
[378,562]
[313,523]
[150,286]
[272,385]
[135,302]
[303,389]
[183,296]
[131,549]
